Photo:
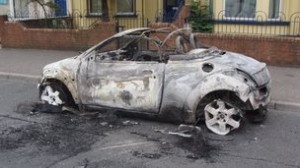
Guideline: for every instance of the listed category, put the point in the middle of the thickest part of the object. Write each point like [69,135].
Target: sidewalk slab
[285,84]
[282,105]
[20,76]
[30,61]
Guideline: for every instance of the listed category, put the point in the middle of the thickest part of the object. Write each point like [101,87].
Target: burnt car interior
[143,46]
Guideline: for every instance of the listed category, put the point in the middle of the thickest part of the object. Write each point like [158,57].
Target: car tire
[53,94]
[221,117]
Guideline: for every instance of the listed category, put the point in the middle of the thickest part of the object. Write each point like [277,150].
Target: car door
[128,85]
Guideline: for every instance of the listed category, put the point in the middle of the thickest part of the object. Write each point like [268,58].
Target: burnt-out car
[175,78]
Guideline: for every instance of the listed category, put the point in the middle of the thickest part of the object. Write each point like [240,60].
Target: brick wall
[2,21]
[272,50]
[16,35]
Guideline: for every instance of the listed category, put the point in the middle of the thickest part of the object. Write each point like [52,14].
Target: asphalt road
[30,139]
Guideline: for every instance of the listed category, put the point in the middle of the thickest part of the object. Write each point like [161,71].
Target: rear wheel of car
[221,117]
[54,95]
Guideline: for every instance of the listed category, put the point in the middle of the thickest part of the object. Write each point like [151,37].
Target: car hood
[66,66]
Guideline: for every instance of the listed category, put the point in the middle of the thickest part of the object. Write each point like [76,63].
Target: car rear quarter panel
[186,83]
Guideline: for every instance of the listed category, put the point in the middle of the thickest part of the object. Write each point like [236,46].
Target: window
[3,2]
[274,9]
[21,9]
[125,7]
[240,8]
[95,7]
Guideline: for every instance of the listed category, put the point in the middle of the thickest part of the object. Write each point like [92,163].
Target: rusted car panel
[179,83]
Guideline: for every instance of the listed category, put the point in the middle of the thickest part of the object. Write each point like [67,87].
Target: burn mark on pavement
[69,134]
[146,155]
[51,139]
[195,147]
[64,133]
[198,148]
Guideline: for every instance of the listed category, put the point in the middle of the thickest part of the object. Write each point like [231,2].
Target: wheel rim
[51,96]
[221,117]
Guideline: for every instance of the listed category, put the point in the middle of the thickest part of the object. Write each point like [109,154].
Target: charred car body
[175,78]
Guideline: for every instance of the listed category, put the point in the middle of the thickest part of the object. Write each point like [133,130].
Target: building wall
[153,9]
[79,13]
[145,9]
[293,12]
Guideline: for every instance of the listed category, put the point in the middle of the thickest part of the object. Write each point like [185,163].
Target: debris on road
[190,138]
[37,107]
[84,163]
[161,131]
[186,131]
[128,122]
[104,123]
[146,155]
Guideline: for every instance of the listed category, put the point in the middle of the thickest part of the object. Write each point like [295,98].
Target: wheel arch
[216,84]
[65,88]
[227,95]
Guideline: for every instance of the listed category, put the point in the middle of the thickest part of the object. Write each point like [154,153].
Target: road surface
[31,139]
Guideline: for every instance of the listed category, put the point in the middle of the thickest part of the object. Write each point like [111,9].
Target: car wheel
[53,95]
[221,117]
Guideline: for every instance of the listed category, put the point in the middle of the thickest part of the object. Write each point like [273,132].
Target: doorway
[62,8]
[170,9]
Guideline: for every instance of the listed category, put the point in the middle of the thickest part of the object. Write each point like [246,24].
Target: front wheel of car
[221,117]
[53,95]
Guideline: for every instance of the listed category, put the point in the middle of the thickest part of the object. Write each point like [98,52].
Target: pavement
[27,64]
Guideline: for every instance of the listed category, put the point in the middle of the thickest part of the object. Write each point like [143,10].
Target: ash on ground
[71,132]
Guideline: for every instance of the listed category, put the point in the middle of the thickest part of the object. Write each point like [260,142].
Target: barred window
[240,8]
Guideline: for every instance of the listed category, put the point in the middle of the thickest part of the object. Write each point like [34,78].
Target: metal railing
[261,24]
[81,20]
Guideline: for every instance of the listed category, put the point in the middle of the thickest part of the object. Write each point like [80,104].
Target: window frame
[279,11]
[239,18]
[133,13]
[93,13]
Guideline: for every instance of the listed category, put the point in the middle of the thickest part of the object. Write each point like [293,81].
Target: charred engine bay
[68,134]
